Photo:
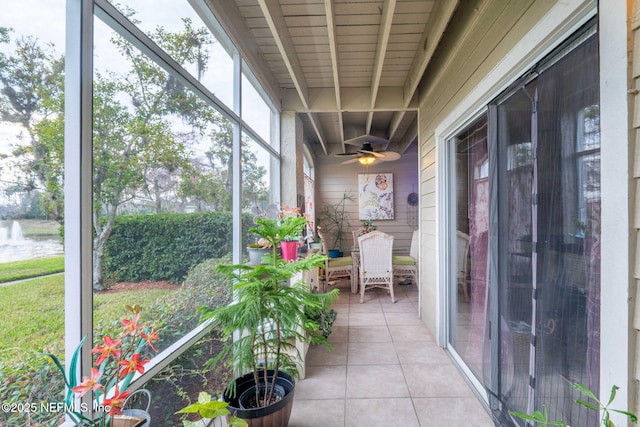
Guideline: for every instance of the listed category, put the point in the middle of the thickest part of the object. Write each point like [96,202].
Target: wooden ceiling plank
[356,30]
[364,8]
[356,20]
[305,21]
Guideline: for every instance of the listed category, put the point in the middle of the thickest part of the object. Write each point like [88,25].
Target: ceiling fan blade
[350,161]
[371,153]
[390,156]
[366,139]
[346,154]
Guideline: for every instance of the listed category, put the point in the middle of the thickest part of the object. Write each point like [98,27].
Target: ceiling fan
[366,156]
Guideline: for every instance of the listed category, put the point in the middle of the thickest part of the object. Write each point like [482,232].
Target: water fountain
[16,232]
[14,246]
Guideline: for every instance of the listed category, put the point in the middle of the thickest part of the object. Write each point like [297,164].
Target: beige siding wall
[333,179]
[634,342]
[478,38]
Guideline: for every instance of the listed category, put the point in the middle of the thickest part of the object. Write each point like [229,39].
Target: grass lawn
[17,270]
[33,314]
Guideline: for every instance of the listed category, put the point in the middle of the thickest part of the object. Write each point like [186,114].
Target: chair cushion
[403,260]
[340,262]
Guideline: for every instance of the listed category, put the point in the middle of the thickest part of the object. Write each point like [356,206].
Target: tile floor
[384,370]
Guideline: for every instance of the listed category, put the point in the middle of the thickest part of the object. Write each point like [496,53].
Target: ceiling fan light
[366,160]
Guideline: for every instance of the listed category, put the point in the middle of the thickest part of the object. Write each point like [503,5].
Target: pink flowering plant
[367,227]
[117,360]
[291,224]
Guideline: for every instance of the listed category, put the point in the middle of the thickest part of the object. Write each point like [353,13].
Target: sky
[45,19]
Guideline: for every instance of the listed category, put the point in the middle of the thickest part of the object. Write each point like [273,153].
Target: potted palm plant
[270,314]
[334,218]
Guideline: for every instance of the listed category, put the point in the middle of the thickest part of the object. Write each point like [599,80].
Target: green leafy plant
[323,316]
[292,226]
[269,313]
[209,409]
[541,418]
[600,406]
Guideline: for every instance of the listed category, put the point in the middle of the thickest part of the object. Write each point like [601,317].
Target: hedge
[166,246]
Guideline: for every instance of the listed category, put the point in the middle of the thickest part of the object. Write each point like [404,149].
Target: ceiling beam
[279,29]
[333,49]
[335,64]
[356,99]
[434,29]
[318,131]
[388,9]
[394,124]
[410,135]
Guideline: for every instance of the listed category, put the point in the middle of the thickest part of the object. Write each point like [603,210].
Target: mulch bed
[139,286]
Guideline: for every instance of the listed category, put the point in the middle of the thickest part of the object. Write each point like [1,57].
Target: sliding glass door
[527,180]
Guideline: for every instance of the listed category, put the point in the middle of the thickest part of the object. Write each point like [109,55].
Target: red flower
[133,365]
[151,337]
[115,403]
[88,383]
[110,348]
[131,327]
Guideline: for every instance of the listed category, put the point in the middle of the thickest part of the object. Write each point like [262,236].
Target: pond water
[15,247]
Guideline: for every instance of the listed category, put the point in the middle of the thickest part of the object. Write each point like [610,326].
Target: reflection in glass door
[470,251]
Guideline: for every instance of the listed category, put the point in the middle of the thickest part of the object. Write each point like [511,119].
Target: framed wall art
[375,196]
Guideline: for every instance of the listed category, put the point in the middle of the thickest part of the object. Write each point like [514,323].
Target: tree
[219,169]
[32,96]
[141,149]
[124,142]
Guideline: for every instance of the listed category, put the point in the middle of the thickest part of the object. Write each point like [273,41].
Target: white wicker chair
[462,257]
[355,234]
[376,269]
[335,268]
[407,265]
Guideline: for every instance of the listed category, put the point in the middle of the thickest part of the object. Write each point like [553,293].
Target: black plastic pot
[275,415]
[245,398]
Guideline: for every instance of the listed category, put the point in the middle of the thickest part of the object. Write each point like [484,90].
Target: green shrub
[176,314]
[167,246]
[34,380]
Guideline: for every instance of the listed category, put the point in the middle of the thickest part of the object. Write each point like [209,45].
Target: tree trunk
[157,192]
[102,233]
[98,252]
